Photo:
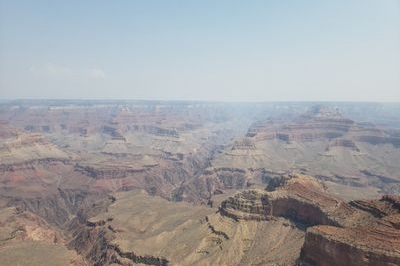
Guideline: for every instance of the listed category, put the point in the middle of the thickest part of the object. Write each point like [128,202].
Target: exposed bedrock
[113,132]
[95,244]
[325,125]
[31,164]
[258,205]
[343,143]
[376,140]
[166,173]
[231,177]
[387,205]
[373,241]
[210,182]
[167,181]
[246,144]
[98,173]
[60,208]
[299,211]
[126,258]
[303,129]
[364,232]
[92,244]
[247,205]
[331,246]
[155,130]
[296,197]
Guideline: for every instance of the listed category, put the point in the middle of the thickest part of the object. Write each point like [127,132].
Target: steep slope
[373,242]
[360,158]
[338,233]
[252,227]
[149,230]
[26,239]
[159,183]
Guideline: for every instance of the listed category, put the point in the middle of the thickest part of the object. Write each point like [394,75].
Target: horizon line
[189,100]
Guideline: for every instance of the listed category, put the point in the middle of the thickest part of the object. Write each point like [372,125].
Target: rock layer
[359,233]
[373,242]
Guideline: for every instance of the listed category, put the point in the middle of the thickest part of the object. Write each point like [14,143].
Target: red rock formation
[359,233]
[329,246]
[375,241]
[300,199]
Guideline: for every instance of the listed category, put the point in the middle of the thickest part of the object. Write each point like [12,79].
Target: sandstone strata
[70,173]
[374,241]
[359,233]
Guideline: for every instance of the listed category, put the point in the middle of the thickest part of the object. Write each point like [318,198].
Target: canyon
[198,183]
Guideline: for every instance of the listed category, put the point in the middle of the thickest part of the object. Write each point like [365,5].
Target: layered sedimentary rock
[185,235]
[300,199]
[326,245]
[212,181]
[320,142]
[372,242]
[106,179]
[322,125]
[110,147]
[319,123]
[28,239]
[337,233]
[358,233]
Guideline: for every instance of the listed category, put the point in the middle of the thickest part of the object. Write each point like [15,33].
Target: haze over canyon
[199,183]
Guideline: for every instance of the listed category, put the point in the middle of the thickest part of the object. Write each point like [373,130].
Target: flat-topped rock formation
[28,147]
[244,144]
[320,142]
[373,242]
[326,245]
[297,214]
[112,147]
[322,125]
[300,198]
[193,183]
[316,124]
[359,233]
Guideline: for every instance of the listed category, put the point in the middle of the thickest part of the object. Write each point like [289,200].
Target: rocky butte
[197,183]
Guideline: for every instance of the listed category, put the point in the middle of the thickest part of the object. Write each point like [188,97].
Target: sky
[338,50]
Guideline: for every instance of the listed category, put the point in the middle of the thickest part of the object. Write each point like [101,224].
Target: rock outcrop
[373,241]
[108,178]
[298,198]
[329,246]
[322,124]
[96,245]
[359,233]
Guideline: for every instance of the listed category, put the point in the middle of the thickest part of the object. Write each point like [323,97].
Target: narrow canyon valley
[199,183]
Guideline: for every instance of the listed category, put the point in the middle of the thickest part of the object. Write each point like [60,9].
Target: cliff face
[158,232]
[96,245]
[331,246]
[311,126]
[300,211]
[212,181]
[297,198]
[375,241]
[71,172]
[247,205]
[326,126]
[59,208]
[321,143]
[338,233]
[107,147]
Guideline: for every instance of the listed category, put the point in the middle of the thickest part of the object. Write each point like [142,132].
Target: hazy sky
[201,50]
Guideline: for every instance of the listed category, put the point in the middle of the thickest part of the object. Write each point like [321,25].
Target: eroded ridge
[364,232]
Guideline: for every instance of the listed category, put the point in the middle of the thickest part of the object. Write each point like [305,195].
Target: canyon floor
[198,183]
